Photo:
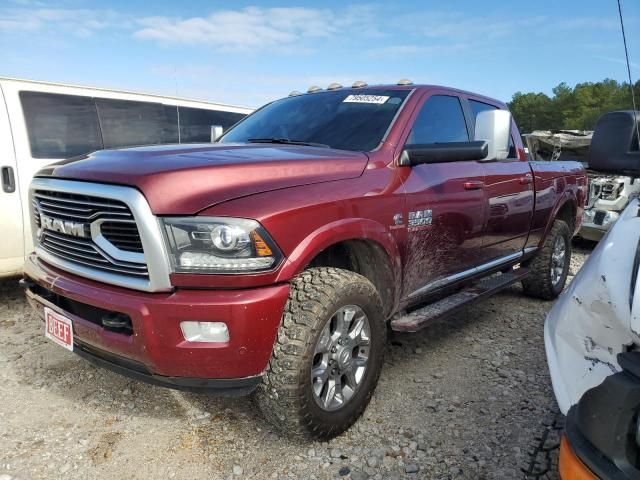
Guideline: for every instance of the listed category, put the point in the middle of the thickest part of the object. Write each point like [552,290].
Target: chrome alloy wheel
[557,260]
[340,358]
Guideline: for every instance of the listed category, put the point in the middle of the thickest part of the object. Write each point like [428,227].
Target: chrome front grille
[106,233]
[86,253]
[94,232]
[611,191]
[123,234]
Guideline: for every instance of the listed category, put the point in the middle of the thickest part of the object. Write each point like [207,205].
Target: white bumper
[591,322]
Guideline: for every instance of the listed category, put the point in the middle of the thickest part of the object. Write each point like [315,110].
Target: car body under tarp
[554,145]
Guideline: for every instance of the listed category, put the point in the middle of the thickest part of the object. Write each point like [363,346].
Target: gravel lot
[465,398]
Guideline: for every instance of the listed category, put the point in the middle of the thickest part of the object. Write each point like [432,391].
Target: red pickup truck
[275,259]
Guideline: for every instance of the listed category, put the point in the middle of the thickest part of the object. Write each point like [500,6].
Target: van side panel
[11,218]
[15,150]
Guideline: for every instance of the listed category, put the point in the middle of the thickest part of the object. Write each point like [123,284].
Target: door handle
[473,185]
[8,180]
[526,180]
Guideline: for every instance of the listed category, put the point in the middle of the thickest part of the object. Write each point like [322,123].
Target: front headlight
[218,245]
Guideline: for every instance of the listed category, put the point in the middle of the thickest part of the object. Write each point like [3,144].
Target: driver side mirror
[614,147]
[416,154]
[491,143]
[494,126]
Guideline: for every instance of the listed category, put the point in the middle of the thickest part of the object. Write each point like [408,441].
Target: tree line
[569,108]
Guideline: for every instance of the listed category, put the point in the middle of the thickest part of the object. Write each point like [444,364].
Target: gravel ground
[465,398]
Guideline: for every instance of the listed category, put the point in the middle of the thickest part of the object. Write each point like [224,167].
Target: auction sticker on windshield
[377,99]
[58,328]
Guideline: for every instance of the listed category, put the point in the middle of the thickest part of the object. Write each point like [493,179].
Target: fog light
[205,331]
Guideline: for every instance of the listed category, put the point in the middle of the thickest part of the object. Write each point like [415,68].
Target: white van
[41,123]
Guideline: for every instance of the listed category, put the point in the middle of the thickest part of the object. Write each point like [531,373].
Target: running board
[418,319]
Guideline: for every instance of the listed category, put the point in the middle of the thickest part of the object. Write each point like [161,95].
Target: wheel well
[366,258]
[567,213]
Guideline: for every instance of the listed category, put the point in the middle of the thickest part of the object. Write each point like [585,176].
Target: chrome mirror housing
[494,126]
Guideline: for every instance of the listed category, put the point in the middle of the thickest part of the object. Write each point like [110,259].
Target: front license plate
[58,328]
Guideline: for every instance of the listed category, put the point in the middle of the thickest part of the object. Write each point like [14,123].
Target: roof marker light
[405,81]
[314,89]
[295,93]
[359,84]
[334,86]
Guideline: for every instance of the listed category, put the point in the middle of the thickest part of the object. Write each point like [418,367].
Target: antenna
[626,53]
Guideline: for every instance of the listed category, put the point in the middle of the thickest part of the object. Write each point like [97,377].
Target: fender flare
[567,196]
[336,232]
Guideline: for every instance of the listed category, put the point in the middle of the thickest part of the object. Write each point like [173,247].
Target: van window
[441,120]
[195,123]
[60,126]
[125,123]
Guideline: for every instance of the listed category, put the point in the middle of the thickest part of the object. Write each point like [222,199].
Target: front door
[446,203]
[11,246]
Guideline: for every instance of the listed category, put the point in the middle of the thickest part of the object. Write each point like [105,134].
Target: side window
[126,123]
[441,120]
[477,107]
[195,123]
[60,126]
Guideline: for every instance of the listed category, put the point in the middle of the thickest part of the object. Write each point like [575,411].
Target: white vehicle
[592,333]
[608,197]
[609,193]
[42,123]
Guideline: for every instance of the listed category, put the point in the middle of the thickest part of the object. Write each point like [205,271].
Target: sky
[251,52]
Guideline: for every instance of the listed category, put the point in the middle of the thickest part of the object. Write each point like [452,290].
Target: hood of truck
[185,179]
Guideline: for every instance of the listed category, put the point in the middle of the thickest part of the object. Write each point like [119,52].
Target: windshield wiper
[286,141]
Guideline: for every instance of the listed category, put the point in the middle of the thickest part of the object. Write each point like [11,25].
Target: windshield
[342,119]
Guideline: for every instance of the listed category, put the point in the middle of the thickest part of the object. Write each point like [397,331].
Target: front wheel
[550,267]
[327,357]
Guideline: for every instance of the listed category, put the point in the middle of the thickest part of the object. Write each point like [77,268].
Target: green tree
[576,108]
[533,111]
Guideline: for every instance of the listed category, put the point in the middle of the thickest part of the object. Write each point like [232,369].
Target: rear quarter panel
[556,183]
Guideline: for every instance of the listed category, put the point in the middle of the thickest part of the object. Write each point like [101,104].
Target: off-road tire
[285,396]
[538,283]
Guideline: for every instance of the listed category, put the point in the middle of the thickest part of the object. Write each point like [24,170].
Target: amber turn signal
[262,249]
[569,465]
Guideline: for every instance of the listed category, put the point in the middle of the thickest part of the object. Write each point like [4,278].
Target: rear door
[445,201]
[11,220]
[510,196]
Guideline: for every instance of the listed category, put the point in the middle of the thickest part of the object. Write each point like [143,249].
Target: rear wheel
[327,357]
[550,267]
